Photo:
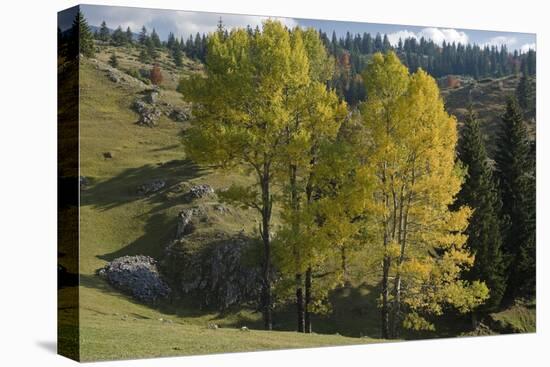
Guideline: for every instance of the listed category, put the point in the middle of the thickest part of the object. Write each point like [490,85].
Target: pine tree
[150,48]
[113,60]
[144,56]
[155,38]
[81,37]
[177,55]
[129,36]
[118,37]
[516,175]
[524,92]
[171,42]
[104,34]
[484,231]
[142,38]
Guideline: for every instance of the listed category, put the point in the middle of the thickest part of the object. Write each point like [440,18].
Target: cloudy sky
[183,23]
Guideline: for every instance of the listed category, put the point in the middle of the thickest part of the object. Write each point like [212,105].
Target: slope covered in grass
[116,221]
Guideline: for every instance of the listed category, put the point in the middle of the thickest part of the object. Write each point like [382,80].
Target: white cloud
[449,35]
[528,46]
[403,35]
[181,23]
[500,41]
[438,35]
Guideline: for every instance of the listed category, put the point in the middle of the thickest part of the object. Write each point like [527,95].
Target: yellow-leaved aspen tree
[409,143]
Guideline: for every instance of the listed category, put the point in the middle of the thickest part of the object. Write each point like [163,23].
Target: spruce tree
[516,175]
[113,60]
[104,34]
[155,39]
[118,37]
[129,36]
[142,36]
[150,48]
[81,37]
[177,55]
[479,192]
[524,91]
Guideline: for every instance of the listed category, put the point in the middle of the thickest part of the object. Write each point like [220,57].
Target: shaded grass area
[518,318]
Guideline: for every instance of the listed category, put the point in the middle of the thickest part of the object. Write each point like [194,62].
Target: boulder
[137,276]
[151,187]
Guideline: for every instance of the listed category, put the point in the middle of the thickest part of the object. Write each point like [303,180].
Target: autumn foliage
[155,75]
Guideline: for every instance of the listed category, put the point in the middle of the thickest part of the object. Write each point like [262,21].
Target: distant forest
[353,51]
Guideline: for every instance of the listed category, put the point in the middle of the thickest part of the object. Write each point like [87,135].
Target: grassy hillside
[488,98]
[116,221]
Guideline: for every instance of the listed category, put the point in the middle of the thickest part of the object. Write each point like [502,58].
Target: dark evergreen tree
[144,56]
[113,60]
[104,34]
[155,39]
[129,36]
[525,92]
[143,36]
[479,192]
[171,41]
[516,175]
[118,37]
[150,48]
[177,56]
[81,41]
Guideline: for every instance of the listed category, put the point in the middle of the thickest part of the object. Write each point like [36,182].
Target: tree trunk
[266,238]
[385,298]
[396,309]
[344,260]
[300,303]
[308,301]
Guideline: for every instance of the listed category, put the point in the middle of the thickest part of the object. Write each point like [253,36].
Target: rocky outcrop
[216,269]
[186,223]
[137,276]
[151,96]
[151,187]
[198,192]
[148,113]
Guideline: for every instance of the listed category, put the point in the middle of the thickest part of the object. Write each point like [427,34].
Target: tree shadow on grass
[123,188]
[158,231]
[167,307]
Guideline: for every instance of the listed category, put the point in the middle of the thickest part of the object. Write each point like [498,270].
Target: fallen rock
[151,187]
[137,276]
